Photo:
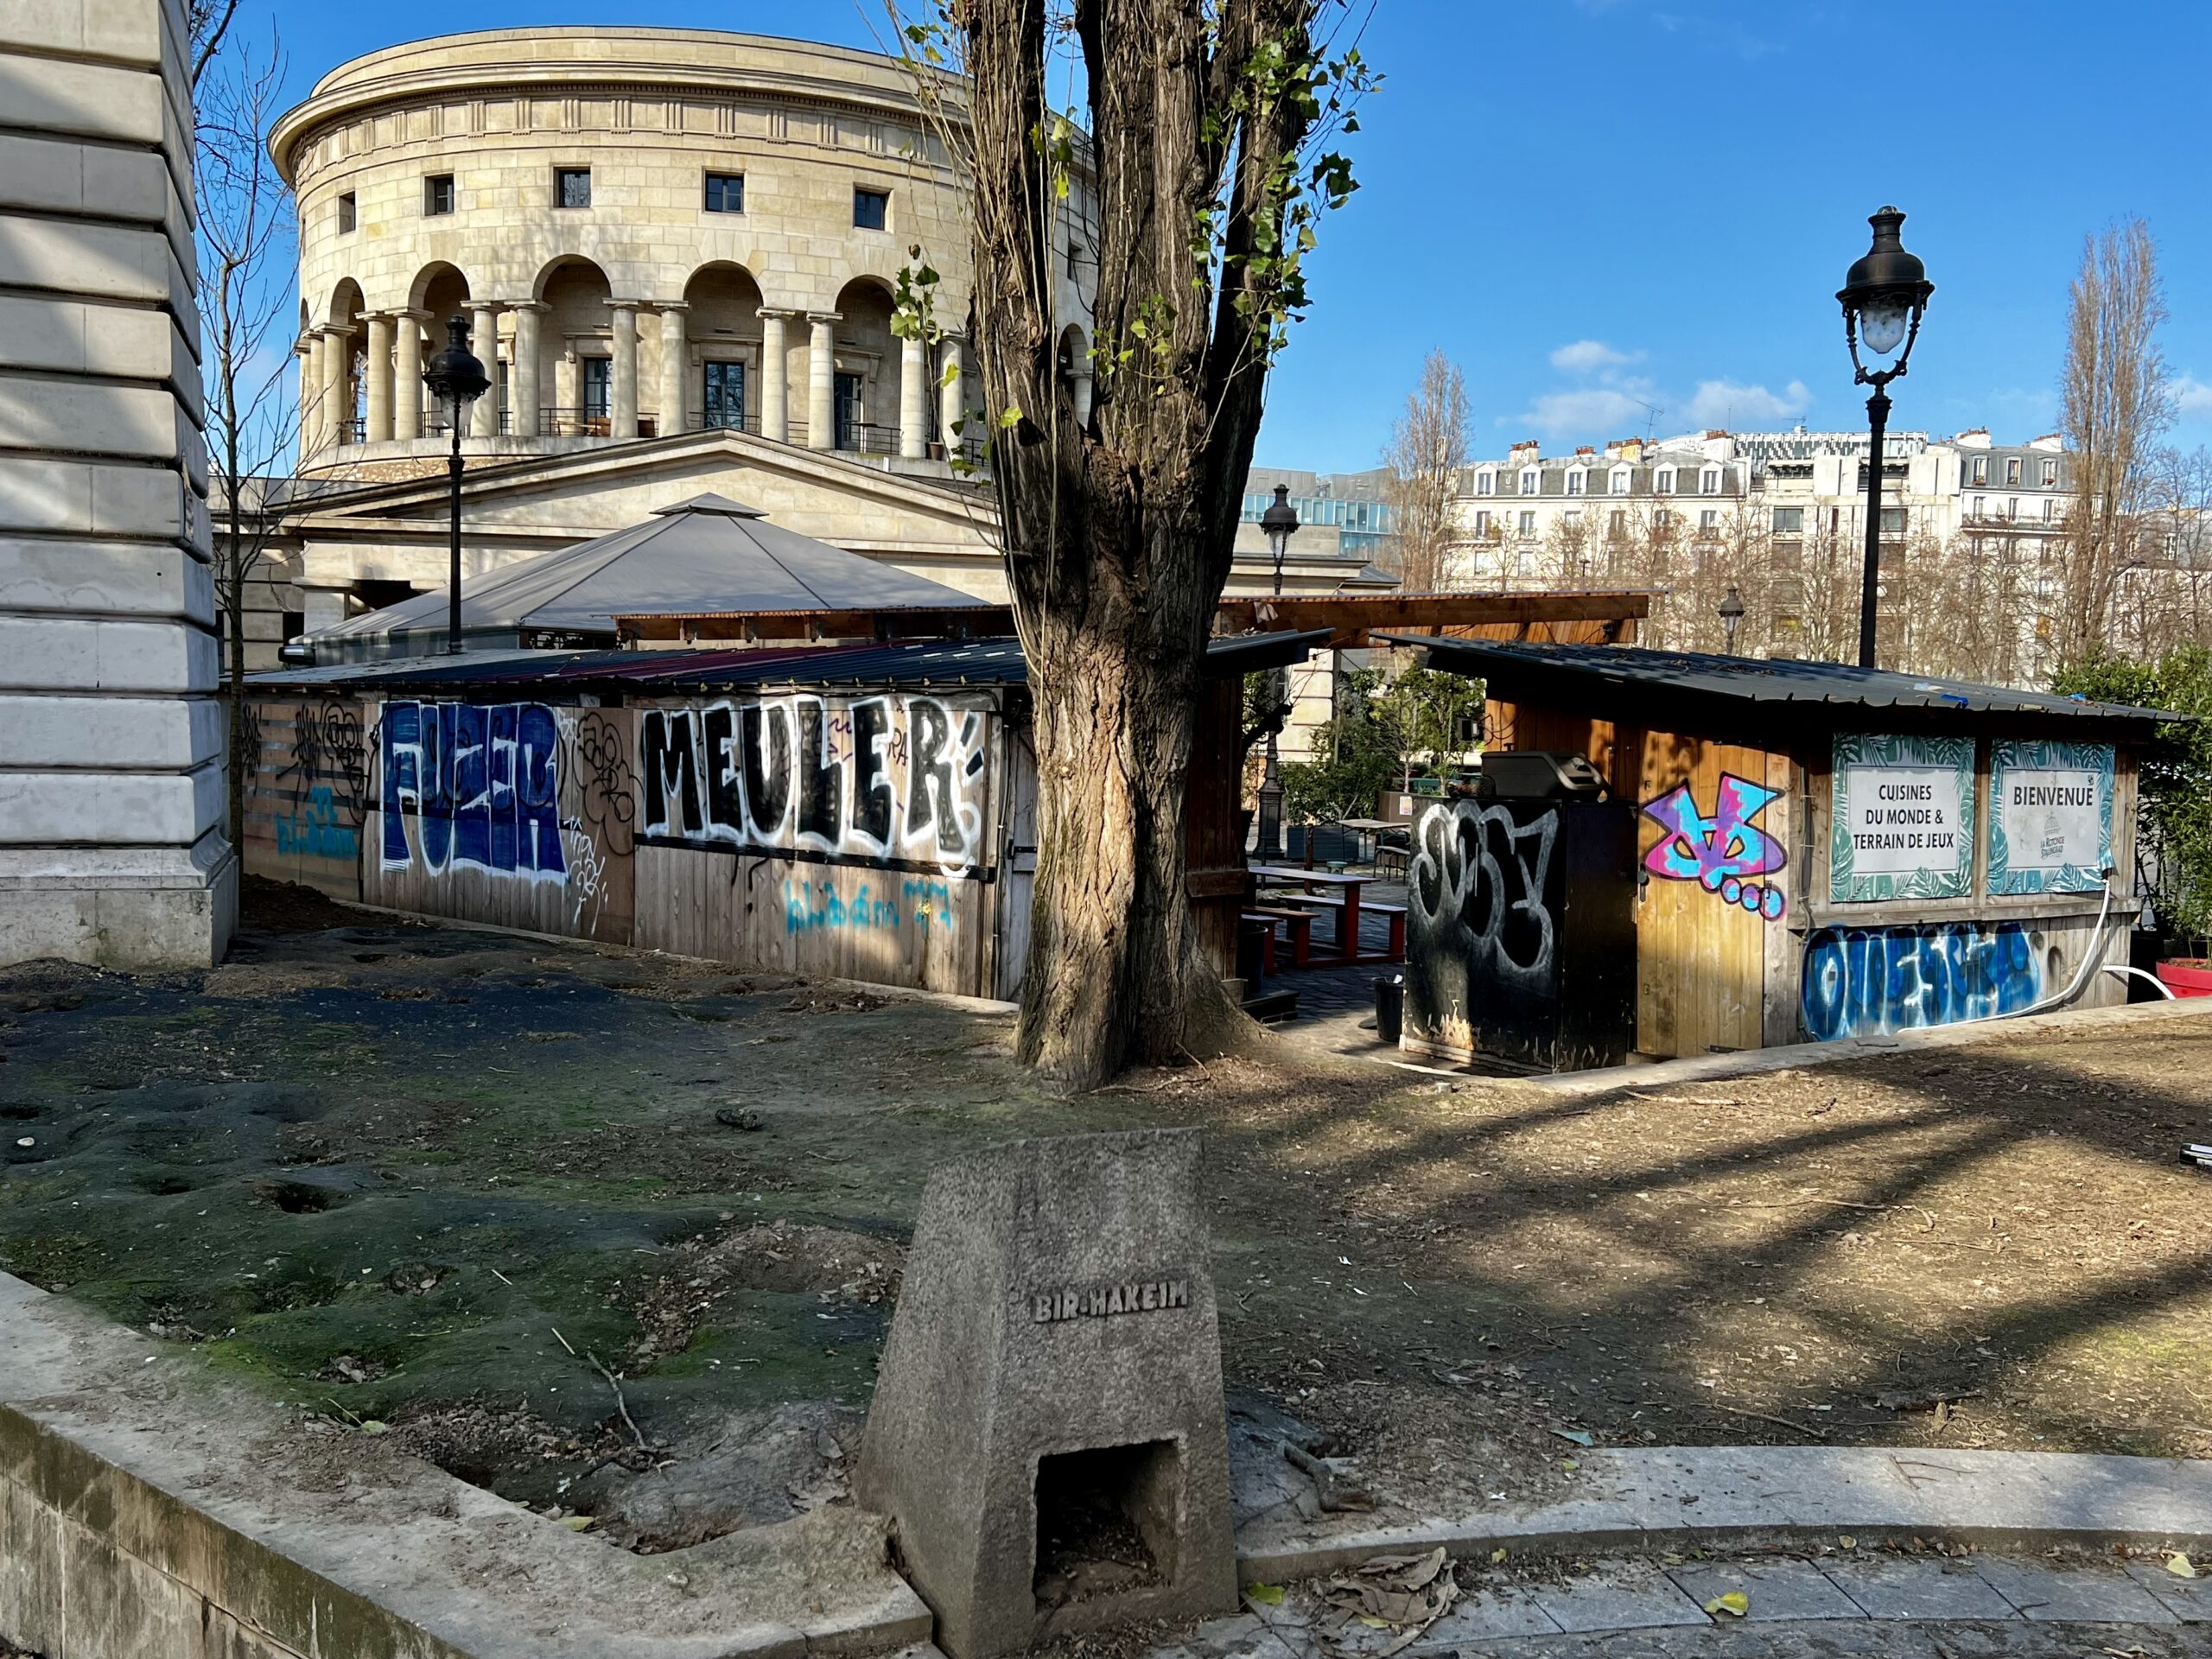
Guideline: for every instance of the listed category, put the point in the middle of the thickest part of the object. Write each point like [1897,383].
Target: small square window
[1892,521]
[1709,484]
[572,186]
[1575,481]
[1485,483]
[1528,483]
[1664,483]
[437,193]
[871,209]
[347,216]
[725,192]
[1789,521]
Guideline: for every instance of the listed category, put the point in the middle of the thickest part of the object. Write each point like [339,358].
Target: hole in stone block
[1106,1521]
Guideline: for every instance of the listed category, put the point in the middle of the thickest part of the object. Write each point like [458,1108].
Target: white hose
[2152,979]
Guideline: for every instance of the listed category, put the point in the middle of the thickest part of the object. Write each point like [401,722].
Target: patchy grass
[384,1168]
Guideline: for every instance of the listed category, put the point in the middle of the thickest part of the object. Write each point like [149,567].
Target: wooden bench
[1298,923]
[1394,914]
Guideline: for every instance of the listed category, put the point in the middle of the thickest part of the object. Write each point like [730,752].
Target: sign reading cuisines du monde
[1902,825]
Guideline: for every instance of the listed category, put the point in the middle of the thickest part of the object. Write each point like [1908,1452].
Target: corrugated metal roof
[909,662]
[1755,680]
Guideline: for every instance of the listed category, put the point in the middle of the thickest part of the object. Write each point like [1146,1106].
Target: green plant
[2175,783]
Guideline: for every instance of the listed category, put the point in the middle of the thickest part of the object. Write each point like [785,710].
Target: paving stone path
[1839,1603]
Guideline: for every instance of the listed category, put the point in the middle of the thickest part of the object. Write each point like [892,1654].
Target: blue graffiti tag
[809,907]
[1862,981]
[481,783]
[929,900]
[317,832]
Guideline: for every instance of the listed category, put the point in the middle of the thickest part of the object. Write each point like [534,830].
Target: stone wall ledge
[146,1508]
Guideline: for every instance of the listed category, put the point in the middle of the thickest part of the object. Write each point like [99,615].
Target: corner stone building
[676,251]
[111,739]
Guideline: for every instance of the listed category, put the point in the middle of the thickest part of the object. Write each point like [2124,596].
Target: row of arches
[576,361]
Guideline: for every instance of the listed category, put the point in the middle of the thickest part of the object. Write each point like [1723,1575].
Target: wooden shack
[1829,851]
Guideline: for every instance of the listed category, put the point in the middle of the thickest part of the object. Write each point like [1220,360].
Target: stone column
[407,376]
[308,349]
[775,375]
[523,392]
[674,371]
[822,380]
[112,792]
[951,404]
[622,378]
[337,384]
[379,369]
[1079,390]
[566,394]
[914,398]
[484,341]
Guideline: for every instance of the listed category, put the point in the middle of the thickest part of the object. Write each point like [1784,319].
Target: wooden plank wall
[308,790]
[623,866]
[1708,973]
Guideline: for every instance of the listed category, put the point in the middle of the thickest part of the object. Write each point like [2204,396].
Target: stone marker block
[1048,1432]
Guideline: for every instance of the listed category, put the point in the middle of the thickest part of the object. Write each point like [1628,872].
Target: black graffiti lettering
[725,804]
[767,766]
[930,795]
[873,800]
[671,768]
[819,776]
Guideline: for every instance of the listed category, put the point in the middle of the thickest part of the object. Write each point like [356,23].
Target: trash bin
[1389,1007]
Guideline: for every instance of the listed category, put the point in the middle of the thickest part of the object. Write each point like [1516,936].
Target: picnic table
[1338,890]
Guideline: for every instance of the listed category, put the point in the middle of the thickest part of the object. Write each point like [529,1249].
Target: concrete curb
[1709,1068]
[1670,1497]
[145,1507]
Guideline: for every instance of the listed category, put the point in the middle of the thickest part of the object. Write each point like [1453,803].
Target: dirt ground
[563,1219]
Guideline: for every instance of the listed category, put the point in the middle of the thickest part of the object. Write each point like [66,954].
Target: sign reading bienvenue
[1903,818]
[2050,817]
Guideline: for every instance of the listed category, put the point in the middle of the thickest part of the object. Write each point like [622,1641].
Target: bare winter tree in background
[1427,448]
[1207,154]
[2115,400]
[243,237]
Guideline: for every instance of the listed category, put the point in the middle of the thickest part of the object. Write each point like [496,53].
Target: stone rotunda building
[649,232]
[677,253]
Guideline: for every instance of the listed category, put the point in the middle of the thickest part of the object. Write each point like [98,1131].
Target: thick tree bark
[1118,529]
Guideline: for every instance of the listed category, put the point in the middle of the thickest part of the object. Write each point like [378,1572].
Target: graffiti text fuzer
[1861,981]
[895,783]
[468,786]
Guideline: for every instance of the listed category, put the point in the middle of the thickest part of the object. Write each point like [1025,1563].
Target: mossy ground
[367,1163]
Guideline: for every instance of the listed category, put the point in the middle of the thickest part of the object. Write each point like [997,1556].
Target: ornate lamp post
[456,379]
[1732,617]
[1279,522]
[1884,295]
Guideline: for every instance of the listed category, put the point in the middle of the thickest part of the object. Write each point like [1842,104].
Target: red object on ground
[2187,975]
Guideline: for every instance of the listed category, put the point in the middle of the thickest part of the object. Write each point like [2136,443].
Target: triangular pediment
[847,500]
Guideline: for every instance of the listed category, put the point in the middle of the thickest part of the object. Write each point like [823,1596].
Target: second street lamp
[1884,295]
[1732,617]
[456,381]
[1279,522]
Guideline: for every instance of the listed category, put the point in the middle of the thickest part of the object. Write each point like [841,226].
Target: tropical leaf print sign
[1903,823]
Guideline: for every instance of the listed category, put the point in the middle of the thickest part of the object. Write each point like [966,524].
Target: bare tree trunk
[2116,399]
[1118,529]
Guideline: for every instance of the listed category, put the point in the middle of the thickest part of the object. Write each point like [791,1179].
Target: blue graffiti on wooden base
[317,831]
[1861,981]
[481,784]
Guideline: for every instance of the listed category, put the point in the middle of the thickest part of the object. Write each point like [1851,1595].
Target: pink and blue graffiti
[1720,851]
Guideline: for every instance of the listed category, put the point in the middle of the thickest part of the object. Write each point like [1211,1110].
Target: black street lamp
[1732,617]
[1884,296]
[456,379]
[1279,522]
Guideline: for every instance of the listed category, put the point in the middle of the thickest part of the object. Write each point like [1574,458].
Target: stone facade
[111,765]
[647,230]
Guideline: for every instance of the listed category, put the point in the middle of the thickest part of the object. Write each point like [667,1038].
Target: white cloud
[1587,356]
[1564,414]
[2192,396]
[1724,403]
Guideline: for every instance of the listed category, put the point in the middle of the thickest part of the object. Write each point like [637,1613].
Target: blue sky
[1598,206]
